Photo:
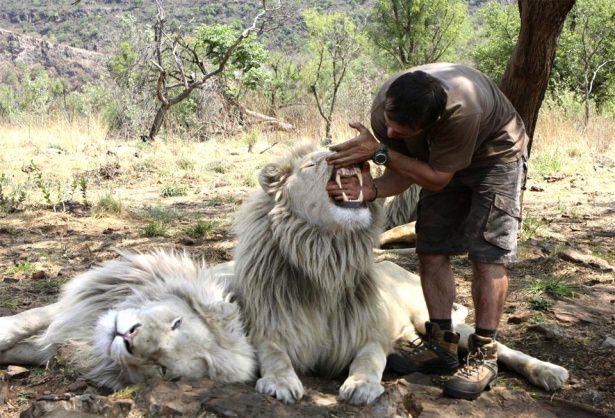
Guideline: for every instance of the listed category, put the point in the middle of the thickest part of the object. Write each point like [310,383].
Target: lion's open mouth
[354,171]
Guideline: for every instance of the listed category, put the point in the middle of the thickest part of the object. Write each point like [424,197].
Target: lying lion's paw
[359,391]
[548,376]
[286,389]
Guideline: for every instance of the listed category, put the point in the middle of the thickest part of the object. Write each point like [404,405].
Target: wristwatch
[381,157]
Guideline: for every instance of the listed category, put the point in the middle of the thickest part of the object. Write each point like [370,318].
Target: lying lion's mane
[127,283]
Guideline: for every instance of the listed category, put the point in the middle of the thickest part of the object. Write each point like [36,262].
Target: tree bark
[158,120]
[528,70]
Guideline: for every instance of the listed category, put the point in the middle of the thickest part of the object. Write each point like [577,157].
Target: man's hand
[352,188]
[357,150]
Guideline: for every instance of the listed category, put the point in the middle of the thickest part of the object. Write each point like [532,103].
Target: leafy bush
[201,229]
[154,229]
[109,204]
[173,190]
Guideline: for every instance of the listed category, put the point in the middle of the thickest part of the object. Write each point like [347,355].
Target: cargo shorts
[477,213]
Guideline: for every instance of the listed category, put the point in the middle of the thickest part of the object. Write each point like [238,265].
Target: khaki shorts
[477,213]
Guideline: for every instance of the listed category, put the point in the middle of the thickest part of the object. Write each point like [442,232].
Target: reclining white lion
[312,297]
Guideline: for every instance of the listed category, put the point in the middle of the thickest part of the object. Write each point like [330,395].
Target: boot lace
[474,362]
[413,347]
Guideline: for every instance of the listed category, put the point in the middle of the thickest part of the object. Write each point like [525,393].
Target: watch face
[380,158]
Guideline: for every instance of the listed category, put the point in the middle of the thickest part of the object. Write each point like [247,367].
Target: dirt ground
[557,310]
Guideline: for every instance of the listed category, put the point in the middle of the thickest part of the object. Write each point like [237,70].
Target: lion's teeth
[345,197]
[360,177]
[360,199]
[338,179]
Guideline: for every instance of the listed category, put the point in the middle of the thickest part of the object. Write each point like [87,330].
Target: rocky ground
[561,307]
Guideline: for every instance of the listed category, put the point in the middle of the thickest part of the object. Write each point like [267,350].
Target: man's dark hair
[415,99]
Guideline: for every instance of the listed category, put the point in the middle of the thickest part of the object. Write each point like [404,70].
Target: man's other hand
[352,188]
[357,150]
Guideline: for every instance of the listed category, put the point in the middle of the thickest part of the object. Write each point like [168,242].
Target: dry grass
[50,160]
[562,145]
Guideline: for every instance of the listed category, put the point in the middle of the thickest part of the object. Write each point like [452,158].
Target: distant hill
[75,65]
[94,24]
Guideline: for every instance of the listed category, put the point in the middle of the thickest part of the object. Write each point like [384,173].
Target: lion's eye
[308,165]
[176,323]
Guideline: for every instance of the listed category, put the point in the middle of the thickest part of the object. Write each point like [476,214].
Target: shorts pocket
[503,222]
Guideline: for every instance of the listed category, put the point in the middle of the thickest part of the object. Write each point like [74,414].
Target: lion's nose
[129,335]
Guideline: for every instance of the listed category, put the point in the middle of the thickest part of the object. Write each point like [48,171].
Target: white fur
[351,219]
[152,290]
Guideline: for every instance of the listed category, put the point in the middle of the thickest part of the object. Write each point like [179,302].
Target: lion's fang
[338,179]
[345,197]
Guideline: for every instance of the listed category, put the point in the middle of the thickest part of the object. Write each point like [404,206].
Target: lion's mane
[401,209]
[312,288]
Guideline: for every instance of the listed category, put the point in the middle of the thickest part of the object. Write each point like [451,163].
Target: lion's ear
[272,177]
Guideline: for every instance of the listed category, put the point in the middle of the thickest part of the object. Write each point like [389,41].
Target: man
[449,129]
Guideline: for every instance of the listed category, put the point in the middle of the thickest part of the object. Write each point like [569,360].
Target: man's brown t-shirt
[479,126]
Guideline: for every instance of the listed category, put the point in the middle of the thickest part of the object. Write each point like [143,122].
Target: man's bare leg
[438,284]
[480,369]
[437,353]
[489,289]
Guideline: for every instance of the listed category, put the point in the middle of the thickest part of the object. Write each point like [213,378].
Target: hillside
[94,24]
[75,65]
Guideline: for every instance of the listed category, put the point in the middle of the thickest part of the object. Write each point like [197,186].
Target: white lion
[143,316]
[314,299]
[311,294]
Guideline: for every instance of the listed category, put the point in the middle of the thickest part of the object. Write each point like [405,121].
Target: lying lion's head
[171,319]
[300,180]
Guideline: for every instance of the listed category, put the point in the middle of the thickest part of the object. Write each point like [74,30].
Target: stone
[537,189]
[17,372]
[609,342]
[78,406]
[39,275]
[550,332]
[78,385]
[574,256]
[187,241]
[519,318]
[10,279]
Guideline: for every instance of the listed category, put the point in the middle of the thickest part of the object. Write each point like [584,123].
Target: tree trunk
[327,132]
[158,120]
[528,70]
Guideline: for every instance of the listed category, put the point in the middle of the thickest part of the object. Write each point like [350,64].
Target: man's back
[479,126]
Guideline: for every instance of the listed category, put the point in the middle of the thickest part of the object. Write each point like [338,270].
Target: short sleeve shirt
[479,126]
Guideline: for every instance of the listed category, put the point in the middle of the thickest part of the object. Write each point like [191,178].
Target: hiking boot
[435,353]
[479,372]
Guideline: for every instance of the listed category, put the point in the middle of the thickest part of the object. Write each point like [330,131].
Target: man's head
[413,102]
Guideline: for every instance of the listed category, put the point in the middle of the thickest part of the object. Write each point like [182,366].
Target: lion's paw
[548,376]
[286,389]
[359,391]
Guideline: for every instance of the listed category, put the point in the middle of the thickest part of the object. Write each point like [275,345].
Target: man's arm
[416,172]
[362,147]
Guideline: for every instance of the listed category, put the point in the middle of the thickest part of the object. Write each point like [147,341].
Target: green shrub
[154,229]
[540,304]
[173,190]
[552,286]
[109,204]
[201,229]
